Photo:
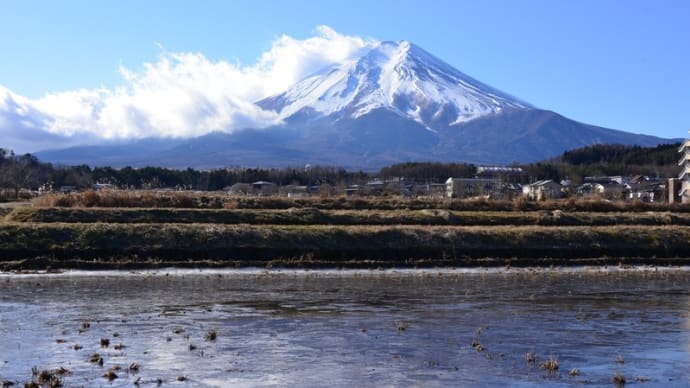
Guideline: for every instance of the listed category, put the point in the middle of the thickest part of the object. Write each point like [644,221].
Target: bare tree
[17,176]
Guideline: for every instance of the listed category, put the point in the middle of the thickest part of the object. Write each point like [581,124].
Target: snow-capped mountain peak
[398,76]
[371,112]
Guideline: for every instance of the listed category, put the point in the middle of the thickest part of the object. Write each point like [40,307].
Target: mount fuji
[393,104]
[401,78]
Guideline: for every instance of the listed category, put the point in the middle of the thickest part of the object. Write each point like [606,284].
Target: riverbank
[36,238]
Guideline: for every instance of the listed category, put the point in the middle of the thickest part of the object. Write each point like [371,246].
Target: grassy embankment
[222,231]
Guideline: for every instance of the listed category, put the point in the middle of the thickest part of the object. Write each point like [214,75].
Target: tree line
[610,159]
[27,172]
[574,165]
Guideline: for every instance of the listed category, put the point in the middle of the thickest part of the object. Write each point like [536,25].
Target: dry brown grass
[219,200]
[133,199]
[313,216]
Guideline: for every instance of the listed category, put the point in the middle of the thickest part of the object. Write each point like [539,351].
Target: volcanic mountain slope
[395,103]
[399,77]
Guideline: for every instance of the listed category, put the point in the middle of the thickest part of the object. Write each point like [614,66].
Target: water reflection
[342,328]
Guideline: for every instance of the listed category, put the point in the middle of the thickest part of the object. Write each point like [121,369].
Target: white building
[684,176]
[541,190]
[469,187]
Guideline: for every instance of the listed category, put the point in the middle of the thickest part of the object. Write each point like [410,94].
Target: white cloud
[290,60]
[179,95]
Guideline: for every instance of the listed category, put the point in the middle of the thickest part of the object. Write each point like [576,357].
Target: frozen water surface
[349,328]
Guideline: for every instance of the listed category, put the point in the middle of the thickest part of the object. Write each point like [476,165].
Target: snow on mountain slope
[397,76]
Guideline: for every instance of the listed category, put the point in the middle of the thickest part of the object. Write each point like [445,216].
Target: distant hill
[597,160]
[610,159]
[661,155]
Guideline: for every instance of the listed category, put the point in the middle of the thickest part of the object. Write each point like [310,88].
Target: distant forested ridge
[663,154]
[596,160]
[610,159]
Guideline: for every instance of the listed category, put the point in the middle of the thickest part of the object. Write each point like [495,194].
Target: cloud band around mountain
[179,95]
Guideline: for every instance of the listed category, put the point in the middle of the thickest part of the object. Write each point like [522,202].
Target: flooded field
[348,328]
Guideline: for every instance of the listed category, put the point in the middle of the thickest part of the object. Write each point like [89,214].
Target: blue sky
[617,64]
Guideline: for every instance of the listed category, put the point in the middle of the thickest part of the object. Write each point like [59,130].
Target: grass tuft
[211,335]
[550,365]
[619,379]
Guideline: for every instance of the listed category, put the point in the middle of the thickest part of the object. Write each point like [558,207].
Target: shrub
[66,200]
[90,198]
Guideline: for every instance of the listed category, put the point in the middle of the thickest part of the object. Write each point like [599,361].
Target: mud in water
[347,328]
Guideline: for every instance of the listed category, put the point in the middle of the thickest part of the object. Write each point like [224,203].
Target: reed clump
[550,365]
[110,375]
[50,378]
[96,358]
[619,380]
[476,345]
[211,335]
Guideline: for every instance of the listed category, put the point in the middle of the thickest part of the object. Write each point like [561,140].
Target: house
[353,190]
[605,179]
[420,189]
[264,188]
[103,186]
[375,186]
[240,189]
[469,187]
[541,190]
[648,191]
[614,190]
[675,186]
[684,177]
[315,189]
[603,189]
[481,187]
[607,189]
[507,191]
[514,175]
[294,191]
[68,189]
[588,189]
